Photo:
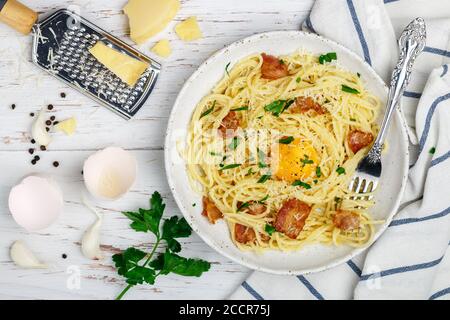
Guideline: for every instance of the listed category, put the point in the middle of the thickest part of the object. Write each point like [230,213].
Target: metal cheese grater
[61,47]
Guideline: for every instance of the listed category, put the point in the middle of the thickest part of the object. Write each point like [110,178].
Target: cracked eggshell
[36,202]
[110,173]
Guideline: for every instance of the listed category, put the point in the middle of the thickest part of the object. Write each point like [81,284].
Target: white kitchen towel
[411,260]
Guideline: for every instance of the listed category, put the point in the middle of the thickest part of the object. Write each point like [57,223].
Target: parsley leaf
[349,89]
[226,68]
[175,228]
[318,172]
[269,229]
[264,178]
[240,109]
[172,263]
[301,184]
[286,140]
[298,80]
[328,57]
[148,219]
[261,159]
[340,170]
[264,199]
[209,110]
[432,150]
[278,106]
[138,267]
[243,206]
[230,166]
[234,143]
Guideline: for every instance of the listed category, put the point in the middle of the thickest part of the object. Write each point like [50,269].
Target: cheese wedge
[67,126]
[162,48]
[188,30]
[128,69]
[149,17]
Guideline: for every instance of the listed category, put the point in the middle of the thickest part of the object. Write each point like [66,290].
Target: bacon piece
[358,139]
[210,210]
[229,125]
[244,234]
[256,208]
[346,220]
[272,68]
[304,104]
[291,217]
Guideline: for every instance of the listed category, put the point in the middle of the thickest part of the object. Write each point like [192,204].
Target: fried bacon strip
[358,139]
[229,125]
[273,68]
[305,104]
[291,217]
[210,210]
[346,220]
[244,234]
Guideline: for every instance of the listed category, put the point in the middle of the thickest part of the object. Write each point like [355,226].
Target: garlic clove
[90,243]
[24,257]
[39,131]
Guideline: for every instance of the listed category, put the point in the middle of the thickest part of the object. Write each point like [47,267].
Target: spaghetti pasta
[258,141]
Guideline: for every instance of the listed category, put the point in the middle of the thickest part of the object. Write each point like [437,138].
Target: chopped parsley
[358,74]
[264,178]
[328,57]
[226,68]
[352,119]
[250,171]
[230,166]
[194,204]
[349,89]
[278,106]
[234,143]
[306,160]
[340,170]
[243,206]
[209,110]
[264,199]
[301,184]
[432,150]
[261,159]
[269,229]
[318,172]
[298,79]
[286,140]
[240,109]
[337,200]
[214,153]
[281,61]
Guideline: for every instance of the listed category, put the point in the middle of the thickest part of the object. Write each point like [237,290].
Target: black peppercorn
[50,107]
[43,148]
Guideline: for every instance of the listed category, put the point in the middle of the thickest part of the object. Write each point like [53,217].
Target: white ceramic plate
[312,258]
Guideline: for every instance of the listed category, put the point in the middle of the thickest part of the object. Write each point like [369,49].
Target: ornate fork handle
[411,43]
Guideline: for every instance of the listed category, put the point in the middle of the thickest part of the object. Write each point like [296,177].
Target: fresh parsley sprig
[129,263]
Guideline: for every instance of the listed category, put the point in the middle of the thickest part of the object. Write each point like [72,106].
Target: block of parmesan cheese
[149,17]
[162,48]
[128,69]
[188,30]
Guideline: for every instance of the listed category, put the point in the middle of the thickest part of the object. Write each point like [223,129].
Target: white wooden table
[23,84]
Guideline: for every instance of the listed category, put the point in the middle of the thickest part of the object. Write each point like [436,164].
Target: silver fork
[411,43]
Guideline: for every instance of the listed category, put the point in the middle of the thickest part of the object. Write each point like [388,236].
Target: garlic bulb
[39,131]
[90,243]
[23,257]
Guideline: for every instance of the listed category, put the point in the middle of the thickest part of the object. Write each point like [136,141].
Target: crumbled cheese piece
[128,69]
[162,48]
[149,17]
[67,126]
[188,30]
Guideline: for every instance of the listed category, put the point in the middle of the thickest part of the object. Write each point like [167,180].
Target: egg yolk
[294,161]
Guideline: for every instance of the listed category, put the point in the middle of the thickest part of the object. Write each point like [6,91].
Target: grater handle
[17,16]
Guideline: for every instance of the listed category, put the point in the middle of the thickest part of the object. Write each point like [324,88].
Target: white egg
[36,202]
[110,173]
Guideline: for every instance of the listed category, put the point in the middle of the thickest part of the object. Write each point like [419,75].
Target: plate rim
[190,220]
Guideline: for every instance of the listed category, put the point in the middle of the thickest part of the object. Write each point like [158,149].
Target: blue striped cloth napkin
[411,260]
